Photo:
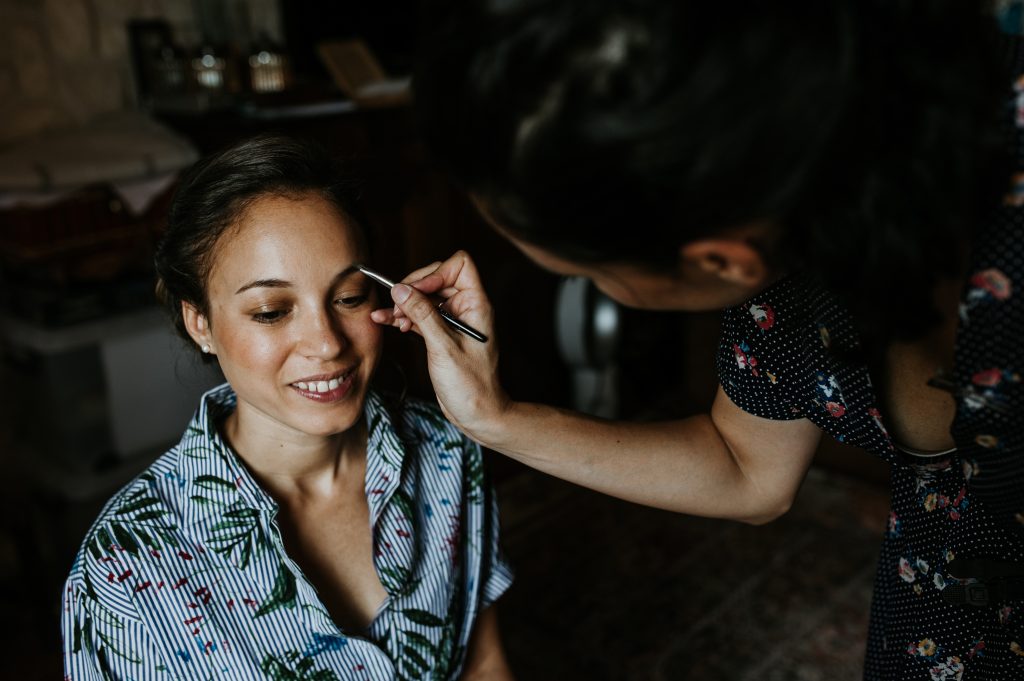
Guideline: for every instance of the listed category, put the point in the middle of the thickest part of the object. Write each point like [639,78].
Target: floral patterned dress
[778,360]
[185,574]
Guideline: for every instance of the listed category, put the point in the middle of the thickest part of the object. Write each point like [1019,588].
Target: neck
[294,465]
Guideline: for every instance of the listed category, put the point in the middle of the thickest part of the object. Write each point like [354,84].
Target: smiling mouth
[325,388]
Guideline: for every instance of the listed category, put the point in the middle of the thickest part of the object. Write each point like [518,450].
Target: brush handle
[464,328]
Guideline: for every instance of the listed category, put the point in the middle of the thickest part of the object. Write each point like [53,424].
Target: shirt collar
[213,478]
[210,474]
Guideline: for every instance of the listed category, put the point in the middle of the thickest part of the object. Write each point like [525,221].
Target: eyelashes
[271,315]
[350,302]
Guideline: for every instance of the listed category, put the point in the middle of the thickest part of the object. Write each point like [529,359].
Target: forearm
[686,466]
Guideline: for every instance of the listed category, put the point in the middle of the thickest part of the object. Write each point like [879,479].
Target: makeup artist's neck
[297,465]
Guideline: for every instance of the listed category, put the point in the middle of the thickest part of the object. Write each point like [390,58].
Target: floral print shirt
[778,360]
[185,574]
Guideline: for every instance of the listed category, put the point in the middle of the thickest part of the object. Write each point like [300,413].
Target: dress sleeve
[758,366]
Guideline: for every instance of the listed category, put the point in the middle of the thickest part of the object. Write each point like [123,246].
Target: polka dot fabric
[780,359]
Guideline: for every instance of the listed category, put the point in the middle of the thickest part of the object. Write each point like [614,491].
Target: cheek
[251,350]
[368,336]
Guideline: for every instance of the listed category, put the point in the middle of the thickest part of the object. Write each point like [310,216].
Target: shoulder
[150,498]
[773,346]
[147,515]
[141,518]
[791,314]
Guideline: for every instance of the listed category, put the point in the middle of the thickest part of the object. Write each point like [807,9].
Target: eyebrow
[282,283]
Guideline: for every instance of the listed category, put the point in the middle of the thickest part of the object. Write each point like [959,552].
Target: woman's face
[633,286]
[711,274]
[289,320]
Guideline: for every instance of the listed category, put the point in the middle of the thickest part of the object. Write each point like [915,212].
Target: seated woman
[305,526]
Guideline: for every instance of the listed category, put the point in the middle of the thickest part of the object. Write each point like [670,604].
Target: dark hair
[618,130]
[214,194]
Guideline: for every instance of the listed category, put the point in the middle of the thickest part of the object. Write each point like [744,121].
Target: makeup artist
[837,177]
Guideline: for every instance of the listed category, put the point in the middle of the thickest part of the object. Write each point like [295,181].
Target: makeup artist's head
[254,268]
[684,153]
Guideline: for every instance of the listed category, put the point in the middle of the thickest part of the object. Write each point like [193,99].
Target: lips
[325,387]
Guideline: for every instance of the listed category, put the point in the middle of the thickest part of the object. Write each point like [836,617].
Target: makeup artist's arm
[726,463]
[485,657]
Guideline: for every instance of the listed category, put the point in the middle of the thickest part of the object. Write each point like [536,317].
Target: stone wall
[63,62]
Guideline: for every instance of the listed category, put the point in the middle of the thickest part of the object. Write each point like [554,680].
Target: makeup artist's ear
[733,261]
[197,326]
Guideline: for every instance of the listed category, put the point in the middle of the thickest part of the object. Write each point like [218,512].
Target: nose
[322,336]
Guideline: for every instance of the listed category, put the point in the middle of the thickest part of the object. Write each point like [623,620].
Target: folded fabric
[118,148]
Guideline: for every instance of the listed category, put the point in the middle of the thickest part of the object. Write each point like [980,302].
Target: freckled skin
[315,327]
[286,306]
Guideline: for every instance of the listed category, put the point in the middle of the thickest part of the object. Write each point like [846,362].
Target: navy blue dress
[779,359]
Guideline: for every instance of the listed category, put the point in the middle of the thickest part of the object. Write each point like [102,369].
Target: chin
[327,425]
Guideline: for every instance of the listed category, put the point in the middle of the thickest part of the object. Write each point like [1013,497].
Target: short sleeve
[793,352]
[495,573]
[498,575]
[758,365]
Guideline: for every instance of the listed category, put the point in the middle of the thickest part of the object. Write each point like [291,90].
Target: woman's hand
[464,371]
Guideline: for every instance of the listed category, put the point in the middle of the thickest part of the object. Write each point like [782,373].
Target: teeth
[320,386]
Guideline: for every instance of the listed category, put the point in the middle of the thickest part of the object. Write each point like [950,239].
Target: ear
[733,261]
[197,325]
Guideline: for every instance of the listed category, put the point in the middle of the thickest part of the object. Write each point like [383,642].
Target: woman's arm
[485,658]
[727,464]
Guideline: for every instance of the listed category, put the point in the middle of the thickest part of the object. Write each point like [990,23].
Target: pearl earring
[206,349]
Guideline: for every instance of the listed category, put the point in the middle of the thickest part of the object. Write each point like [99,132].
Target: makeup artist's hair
[214,194]
[619,130]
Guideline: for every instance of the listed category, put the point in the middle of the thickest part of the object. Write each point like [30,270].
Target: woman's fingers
[420,313]
[457,273]
[416,275]
[462,371]
[456,281]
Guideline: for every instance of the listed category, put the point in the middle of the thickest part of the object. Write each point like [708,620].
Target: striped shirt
[184,574]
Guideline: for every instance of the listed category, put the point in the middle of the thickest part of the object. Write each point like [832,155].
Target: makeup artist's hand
[464,372]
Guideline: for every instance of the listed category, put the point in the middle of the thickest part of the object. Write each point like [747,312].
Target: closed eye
[269,316]
[352,301]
